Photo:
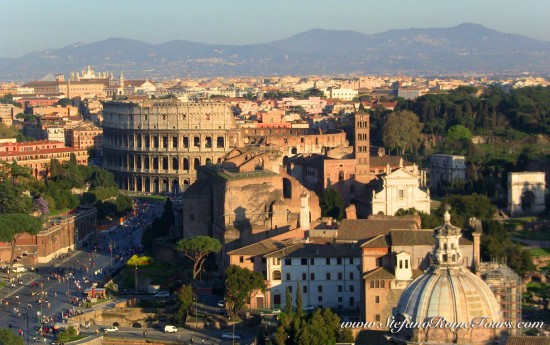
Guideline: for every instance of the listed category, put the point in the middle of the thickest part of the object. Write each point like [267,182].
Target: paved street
[56,288]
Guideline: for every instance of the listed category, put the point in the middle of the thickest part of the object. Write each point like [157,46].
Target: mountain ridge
[465,48]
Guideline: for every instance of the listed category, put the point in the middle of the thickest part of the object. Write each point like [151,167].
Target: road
[63,280]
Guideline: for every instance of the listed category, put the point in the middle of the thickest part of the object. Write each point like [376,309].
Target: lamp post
[135,280]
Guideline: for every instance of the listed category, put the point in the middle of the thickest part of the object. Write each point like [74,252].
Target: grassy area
[2,284]
[57,213]
[76,338]
[157,273]
[152,198]
[518,223]
[539,252]
[532,235]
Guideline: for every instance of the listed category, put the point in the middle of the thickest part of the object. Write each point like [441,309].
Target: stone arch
[165,185]
[155,185]
[294,151]
[139,185]
[147,185]
[175,186]
[276,275]
[527,200]
[155,163]
[380,213]
[208,142]
[164,163]
[175,163]
[196,163]
[185,164]
[220,142]
[136,325]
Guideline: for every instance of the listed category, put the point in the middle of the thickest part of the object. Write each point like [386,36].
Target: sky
[34,25]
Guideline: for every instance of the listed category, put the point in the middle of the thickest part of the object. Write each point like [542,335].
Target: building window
[340,288]
[304,276]
[372,284]
[383,284]
[328,275]
[376,299]
[290,288]
[304,261]
[312,276]
[312,261]
[401,194]
[377,284]
[241,259]
[352,288]
[320,298]
[320,288]
[288,276]
[340,299]
[338,261]
[351,261]
[288,262]
[340,276]
[351,301]
[327,261]
[351,275]
[377,317]
[304,289]
[277,275]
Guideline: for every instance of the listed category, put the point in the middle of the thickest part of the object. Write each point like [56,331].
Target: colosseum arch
[155,163]
[175,163]
[165,185]
[196,163]
[164,163]
[175,186]
[185,164]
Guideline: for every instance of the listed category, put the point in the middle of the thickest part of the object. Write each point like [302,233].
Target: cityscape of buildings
[250,162]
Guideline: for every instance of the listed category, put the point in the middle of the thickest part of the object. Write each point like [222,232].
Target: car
[170,329]
[112,329]
[162,294]
[221,303]
[231,336]
[276,311]
[308,309]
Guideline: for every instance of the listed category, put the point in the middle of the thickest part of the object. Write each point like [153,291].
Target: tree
[13,225]
[7,337]
[185,297]
[288,301]
[402,130]
[332,204]
[241,284]
[299,305]
[67,335]
[64,102]
[168,214]
[197,249]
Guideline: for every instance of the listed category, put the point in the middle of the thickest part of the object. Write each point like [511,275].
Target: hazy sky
[30,25]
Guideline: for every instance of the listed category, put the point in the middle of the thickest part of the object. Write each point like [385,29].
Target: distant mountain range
[466,48]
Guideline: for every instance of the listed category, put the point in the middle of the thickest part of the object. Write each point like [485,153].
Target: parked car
[308,309]
[231,336]
[170,329]
[112,329]
[162,294]
[276,311]
[221,303]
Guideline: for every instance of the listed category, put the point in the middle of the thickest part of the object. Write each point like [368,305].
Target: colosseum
[157,145]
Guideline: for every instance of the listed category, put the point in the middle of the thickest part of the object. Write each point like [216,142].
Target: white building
[54,134]
[341,93]
[446,169]
[328,275]
[400,189]
[526,193]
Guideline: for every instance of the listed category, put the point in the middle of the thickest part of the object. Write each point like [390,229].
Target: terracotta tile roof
[322,250]
[417,238]
[378,242]
[364,229]
[526,340]
[379,273]
[382,161]
[261,248]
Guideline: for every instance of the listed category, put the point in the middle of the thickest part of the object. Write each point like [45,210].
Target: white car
[231,336]
[276,311]
[170,329]
[112,329]
[162,294]
[221,303]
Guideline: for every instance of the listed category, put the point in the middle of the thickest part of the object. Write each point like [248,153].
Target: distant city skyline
[35,25]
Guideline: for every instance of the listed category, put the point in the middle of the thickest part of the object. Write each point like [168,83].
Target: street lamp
[135,280]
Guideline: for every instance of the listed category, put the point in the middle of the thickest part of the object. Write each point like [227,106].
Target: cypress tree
[288,302]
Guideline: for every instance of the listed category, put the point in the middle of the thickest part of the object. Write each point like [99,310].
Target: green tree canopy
[332,204]
[185,297]
[197,249]
[240,286]
[15,224]
[402,130]
[8,337]
[459,133]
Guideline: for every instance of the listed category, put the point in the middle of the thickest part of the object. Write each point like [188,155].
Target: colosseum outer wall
[158,145]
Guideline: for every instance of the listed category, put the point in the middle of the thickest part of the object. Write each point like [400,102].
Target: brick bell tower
[362,148]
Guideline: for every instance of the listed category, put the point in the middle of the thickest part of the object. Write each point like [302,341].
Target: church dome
[449,291]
